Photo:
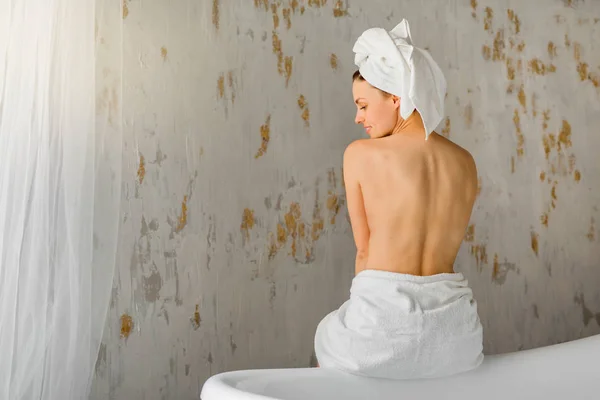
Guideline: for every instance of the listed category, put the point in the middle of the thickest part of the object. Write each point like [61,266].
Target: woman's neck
[411,125]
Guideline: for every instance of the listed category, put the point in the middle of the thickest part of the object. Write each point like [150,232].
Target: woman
[410,194]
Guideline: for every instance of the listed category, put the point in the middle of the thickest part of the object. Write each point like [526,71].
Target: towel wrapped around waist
[400,326]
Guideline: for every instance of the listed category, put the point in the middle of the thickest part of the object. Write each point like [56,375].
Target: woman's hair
[358,77]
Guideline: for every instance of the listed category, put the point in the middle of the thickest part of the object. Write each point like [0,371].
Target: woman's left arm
[355,201]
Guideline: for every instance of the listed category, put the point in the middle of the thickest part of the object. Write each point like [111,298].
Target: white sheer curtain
[60,178]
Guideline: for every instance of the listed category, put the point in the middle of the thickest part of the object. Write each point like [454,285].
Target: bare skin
[409,199]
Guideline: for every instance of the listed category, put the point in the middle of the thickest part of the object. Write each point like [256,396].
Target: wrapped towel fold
[400,326]
[390,62]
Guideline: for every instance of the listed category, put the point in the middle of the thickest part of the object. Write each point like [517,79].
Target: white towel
[390,62]
[400,326]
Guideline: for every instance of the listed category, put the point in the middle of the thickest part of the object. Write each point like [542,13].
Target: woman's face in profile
[376,111]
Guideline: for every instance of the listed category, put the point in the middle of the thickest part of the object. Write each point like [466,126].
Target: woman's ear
[396,101]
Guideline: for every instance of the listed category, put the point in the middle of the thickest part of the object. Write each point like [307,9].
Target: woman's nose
[358,119]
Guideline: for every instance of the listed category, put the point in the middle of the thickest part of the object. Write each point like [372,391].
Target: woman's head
[377,111]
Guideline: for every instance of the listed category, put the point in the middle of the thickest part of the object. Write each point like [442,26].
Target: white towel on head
[400,326]
[390,62]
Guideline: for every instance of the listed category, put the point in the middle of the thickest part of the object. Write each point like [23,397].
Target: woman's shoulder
[356,153]
[359,146]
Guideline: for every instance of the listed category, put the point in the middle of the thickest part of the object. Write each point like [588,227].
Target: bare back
[418,197]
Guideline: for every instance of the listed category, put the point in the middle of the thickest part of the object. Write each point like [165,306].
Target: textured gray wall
[235,240]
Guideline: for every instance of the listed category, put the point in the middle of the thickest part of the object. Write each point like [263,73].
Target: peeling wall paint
[235,238]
